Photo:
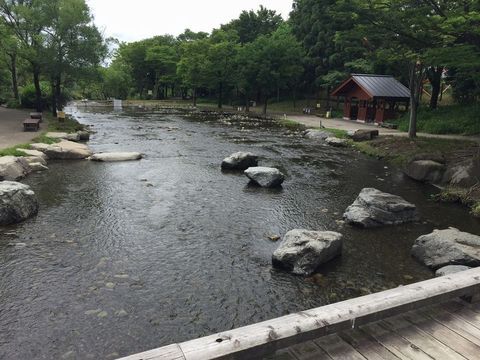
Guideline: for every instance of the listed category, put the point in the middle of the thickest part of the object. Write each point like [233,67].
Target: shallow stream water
[125,257]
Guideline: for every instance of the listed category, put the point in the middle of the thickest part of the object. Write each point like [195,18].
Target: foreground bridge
[433,319]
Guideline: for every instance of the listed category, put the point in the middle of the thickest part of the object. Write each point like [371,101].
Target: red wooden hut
[372,98]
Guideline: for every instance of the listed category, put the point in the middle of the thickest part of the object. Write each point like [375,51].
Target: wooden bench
[31,124]
[36,115]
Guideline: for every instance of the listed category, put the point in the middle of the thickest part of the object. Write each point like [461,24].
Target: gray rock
[302,252]
[333,141]
[64,136]
[35,153]
[447,247]
[41,147]
[35,159]
[17,202]
[36,166]
[451,269]
[426,171]
[13,168]
[116,156]
[83,135]
[240,161]
[363,135]
[465,174]
[374,208]
[317,134]
[265,176]
[66,150]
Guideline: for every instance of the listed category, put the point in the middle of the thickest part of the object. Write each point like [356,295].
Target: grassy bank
[452,119]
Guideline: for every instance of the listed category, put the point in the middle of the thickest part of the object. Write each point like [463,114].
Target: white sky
[129,20]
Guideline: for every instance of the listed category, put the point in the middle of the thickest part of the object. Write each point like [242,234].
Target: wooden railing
[265,338]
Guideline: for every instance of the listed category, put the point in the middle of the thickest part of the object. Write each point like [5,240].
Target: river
[125,257]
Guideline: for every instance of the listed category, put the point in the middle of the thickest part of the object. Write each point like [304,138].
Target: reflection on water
[124,257]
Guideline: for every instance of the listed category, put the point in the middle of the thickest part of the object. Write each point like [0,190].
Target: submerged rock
[13,168]
[302,251]
[333,141]
[451,269]
[265,176]
[425,170]
[447,247]
[17,202]
[83,135]
[374,208]
[37,166]
[116,156]
[240,161]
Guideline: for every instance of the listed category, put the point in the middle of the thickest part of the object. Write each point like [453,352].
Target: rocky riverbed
[126,256]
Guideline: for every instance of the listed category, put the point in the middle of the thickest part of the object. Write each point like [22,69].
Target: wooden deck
[446,331]
[425,321]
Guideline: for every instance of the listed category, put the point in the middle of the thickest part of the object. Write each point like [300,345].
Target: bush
[13,104]
[27,95]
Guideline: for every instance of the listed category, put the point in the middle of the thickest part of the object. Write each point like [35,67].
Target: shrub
[28,98]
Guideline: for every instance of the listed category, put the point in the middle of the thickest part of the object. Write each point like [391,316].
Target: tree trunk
[58,92]
[220,94]
[13,70]
[247,102]
[294,98]
[54,98]
[417,74]
[278,95]
[38,89]
[328,98]
[195,97]
[435,78]
[265,104]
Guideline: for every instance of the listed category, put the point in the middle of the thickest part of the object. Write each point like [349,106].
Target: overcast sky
[129,20]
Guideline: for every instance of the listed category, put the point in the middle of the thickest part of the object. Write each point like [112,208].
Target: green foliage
[28,98]
[341,134]
[45,139]
[454,119]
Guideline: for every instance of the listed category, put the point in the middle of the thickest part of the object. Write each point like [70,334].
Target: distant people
[307,111]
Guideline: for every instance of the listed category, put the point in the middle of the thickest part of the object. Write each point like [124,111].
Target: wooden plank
[368,346]
[309,351]
[443,334]
[428,344]
[338,349]
[171,352]
[395,343]
[462,312]
[265,338]
[457,324]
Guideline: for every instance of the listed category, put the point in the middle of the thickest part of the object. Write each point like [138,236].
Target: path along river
[124,257]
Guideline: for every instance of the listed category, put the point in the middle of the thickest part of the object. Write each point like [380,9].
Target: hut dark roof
[381,86]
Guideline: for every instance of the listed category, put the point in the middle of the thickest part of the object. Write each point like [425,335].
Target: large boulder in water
[64,136]
[240,161]
[425,170]
[13,168]
[374,208]
[447,247]
[302,251]
[64,150]
[36,153]
[265,176]
[17,202]
[464,174]
[336,142]
[116,156]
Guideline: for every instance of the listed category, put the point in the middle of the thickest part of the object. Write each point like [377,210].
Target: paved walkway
[11,128]
[314,121]
[448,331]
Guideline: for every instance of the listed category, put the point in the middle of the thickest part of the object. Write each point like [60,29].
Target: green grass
[452,119]
[12,151]
[341,134]
[291,125]
[43,138]
[69,125]
[476,209]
